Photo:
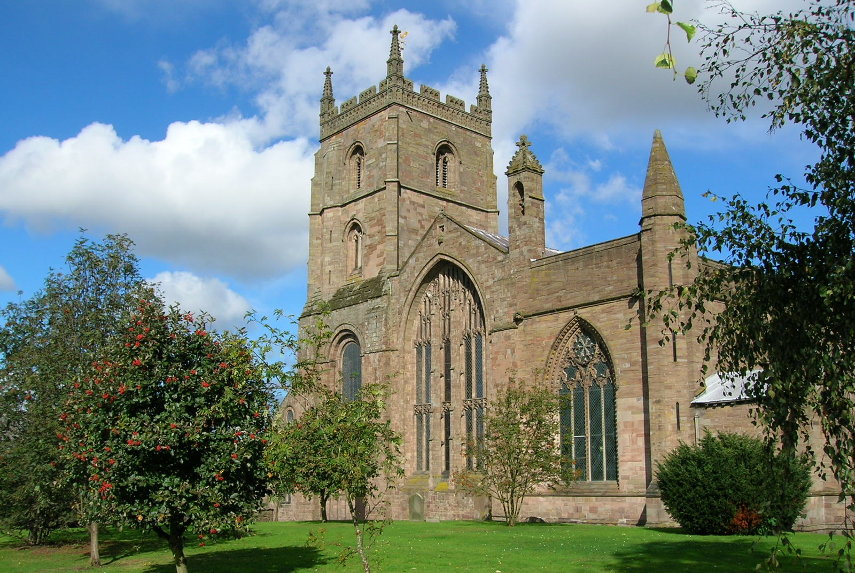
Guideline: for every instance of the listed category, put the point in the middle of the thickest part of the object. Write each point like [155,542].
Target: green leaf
[665,7]
[664,60]
[691,75]
[653,7]
[688,29]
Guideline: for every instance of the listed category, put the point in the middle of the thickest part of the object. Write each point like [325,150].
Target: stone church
[423,290]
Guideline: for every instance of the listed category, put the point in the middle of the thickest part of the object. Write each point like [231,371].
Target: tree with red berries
[170,428]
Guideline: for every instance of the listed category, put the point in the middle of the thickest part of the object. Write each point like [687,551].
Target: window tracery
[587,411]
[450,297]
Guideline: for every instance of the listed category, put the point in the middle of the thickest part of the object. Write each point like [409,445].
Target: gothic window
[351,369]
[520,191]
[450,302]
[355,239]
[289,415]
[445,166]
[587,407]
[357,167]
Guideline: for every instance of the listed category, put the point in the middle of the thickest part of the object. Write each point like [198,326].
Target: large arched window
[356,166]
[586,386]
[449,349]
[446,167]
[351,369]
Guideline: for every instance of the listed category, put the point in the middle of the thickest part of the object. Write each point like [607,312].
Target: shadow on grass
[703,553]
[257,560]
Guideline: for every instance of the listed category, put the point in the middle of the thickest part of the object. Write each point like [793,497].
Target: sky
[190,125]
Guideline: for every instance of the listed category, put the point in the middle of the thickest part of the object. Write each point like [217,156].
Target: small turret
[526,231]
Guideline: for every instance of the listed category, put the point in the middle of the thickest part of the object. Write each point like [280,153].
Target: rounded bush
[731,483]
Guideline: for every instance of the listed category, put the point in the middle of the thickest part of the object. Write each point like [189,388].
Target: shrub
[730,483]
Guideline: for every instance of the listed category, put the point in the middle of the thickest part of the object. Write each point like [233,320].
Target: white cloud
[7,283]
[283,62]
[196,294]
[202,197]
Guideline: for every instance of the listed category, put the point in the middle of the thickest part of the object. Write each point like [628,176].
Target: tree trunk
[360,544]
[324,497]
[94,548]
[175,537]
[176,545]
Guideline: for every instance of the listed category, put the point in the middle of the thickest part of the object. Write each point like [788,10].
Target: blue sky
[190,125]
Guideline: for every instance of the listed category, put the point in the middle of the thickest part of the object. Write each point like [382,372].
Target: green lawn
[427,547]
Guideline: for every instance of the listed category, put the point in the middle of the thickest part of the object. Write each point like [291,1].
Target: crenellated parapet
[397,89]
[428,100]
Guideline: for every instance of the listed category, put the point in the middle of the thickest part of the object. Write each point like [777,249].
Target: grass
[424,547]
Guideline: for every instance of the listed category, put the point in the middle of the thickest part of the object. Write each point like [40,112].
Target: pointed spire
[395,63]
[327,99]
[484,98]
[524,158]
[662,194]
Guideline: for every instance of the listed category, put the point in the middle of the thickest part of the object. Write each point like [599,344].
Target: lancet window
[445,166]
[355,239]
[357,167]
[351,369]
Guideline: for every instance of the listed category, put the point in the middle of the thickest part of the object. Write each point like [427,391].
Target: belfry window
[449,334]
[357,167]
[351,369]
[445,166]
[587,408]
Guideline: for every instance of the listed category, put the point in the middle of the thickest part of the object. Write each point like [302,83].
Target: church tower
[390,160]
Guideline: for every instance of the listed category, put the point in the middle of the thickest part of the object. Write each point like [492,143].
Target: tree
[787,294]
[518,451]
[46,343]
[732,483]
[171,427]
[340,448]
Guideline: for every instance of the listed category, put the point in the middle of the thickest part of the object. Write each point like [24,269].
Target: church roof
[726,388]
[497,240]
[502,241]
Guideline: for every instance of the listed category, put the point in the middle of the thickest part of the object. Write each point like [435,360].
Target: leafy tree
[340,448]
[787,293]
[46,344]
[171,428]
[518,451]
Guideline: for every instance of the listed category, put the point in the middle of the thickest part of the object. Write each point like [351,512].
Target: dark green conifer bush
[731,483]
